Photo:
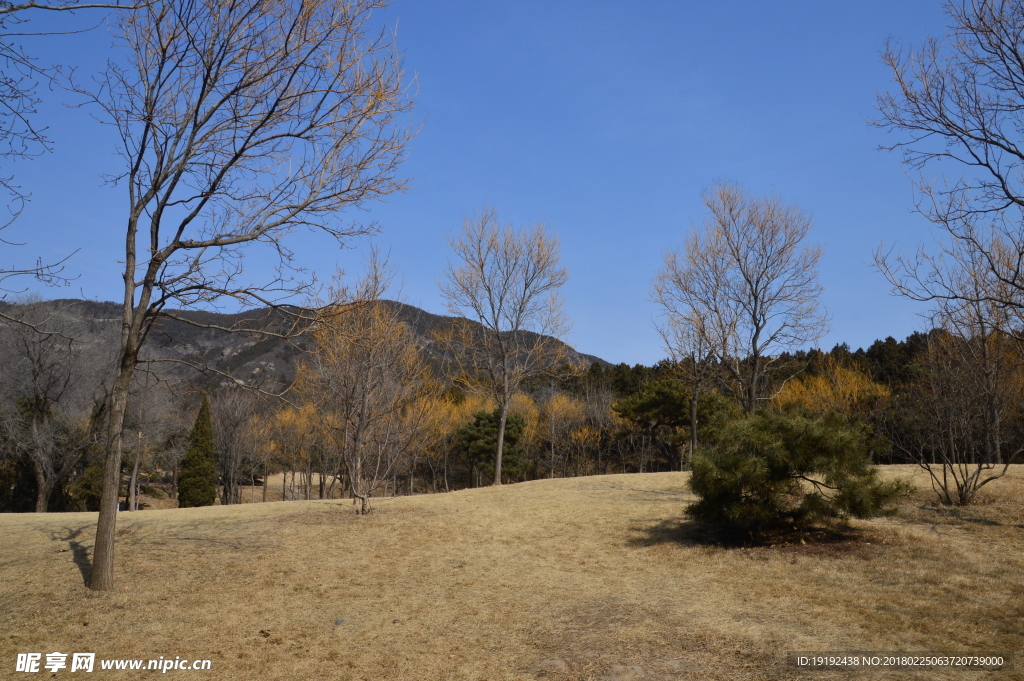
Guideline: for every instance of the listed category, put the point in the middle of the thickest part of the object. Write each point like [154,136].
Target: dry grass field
[586,578]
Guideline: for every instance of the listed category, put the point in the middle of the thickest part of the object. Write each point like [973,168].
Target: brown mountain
[248,357]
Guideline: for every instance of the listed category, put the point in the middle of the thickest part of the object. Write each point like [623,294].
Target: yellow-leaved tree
[838,388]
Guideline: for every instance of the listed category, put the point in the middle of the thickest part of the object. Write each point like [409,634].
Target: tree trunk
[133,495]
[43,489]
[501,444]
[693,427]
[102,577]
[552,453]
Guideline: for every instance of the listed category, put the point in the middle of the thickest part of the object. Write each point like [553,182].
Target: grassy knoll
[586,578]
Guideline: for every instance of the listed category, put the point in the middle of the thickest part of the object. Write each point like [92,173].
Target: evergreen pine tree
[478,439]
[770,472]
[197,480]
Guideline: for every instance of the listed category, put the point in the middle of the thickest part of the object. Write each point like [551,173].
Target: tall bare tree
[744,288]
[232,411]
[240,121]
[507,281]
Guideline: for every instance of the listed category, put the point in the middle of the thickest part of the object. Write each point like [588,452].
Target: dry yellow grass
[586,578]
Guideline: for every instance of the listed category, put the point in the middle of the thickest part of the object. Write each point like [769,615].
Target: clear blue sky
[603,119]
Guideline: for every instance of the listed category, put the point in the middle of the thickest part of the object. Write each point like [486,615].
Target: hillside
[250,358]
[585,578]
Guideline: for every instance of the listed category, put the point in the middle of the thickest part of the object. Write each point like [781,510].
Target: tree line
[370,416]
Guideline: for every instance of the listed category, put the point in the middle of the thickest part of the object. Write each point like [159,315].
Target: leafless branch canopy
[241,122]
[21,136]
[958,106]
[744,288]
[507,281]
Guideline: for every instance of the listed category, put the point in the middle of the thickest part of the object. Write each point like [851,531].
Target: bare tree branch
[240,122]
[744,288]
[959,104]
[10,7]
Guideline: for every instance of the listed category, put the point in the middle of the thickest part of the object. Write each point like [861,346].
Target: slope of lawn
[585,578]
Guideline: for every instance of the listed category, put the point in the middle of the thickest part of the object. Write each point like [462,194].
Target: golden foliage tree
[370,387]
[838,389]
[561,418]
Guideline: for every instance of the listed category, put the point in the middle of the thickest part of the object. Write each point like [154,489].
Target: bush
[771,472]
[197,481]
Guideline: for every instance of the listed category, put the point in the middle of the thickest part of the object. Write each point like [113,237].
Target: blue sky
[604,120]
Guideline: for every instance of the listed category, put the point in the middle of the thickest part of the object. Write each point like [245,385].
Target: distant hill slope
[246,357]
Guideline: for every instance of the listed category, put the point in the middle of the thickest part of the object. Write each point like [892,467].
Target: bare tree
[43,417]
[744,288]
[234,438]
[959,105]
[240,121]
[507,282]
[958,421]
[687,338]
[369,383]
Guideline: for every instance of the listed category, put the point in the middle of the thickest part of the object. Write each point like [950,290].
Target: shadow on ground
[697,533]
[79,552]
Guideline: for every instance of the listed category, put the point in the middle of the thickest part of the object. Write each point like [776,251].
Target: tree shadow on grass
[699,533]
[79,552]
[956,515]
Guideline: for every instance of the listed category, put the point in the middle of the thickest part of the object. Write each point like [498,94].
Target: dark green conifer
[771,472]
[197,480]
[477,440]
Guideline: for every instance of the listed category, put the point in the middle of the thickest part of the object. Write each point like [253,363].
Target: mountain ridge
[243,355]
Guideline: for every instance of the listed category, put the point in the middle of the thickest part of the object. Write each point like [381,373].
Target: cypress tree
[197,480]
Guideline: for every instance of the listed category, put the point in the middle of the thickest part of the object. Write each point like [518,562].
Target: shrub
[771,472]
